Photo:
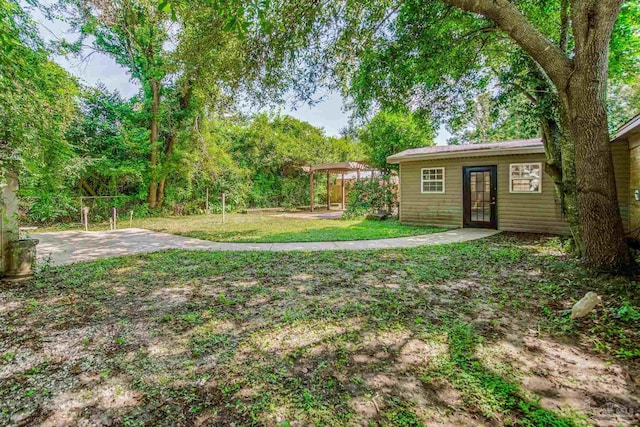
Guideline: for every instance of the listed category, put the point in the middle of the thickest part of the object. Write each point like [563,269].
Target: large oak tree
[580,79]
[464,66]
[340,34]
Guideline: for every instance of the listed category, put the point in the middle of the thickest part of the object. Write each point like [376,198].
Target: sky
[328,114]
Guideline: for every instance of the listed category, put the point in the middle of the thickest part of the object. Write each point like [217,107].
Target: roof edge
[394,160]
[628,128]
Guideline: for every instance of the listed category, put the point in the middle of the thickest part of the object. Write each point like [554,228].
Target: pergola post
[311,182]
[342,190]
[328,191]
[339,168]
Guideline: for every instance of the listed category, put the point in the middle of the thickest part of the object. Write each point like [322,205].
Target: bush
[48,210]
[367,197]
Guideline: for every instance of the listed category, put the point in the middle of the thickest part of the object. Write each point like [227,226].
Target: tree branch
[524,92]
[593,21]
[518,27]
[479,30]
[564,25]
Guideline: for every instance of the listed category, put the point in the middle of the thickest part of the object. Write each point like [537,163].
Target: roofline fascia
[394,160]
[627,128]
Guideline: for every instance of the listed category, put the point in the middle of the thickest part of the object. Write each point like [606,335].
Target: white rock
[585,305]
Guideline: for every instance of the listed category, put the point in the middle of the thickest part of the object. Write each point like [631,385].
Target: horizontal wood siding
[620,154]
[535,212]
[634,183]
[443,210]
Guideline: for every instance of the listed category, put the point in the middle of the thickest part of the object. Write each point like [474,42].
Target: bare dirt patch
[399,337]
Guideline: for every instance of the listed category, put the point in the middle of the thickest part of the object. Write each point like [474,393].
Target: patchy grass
[270,228]
[467,334]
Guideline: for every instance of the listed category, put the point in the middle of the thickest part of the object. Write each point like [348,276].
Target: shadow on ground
[462,335]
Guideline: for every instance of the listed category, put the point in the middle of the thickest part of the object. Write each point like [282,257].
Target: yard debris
[585,305]
[380,215]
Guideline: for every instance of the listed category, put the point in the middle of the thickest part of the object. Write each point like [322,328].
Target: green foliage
[491,118]
[181,131]
[257,162]
[437,59]
[48,209]
[418,63]
[216,344]
[273,150]
[392,132]
[401,415]
[624,99]
[37,103]
[110,135]
[627,312]
[369,196]
[186,73]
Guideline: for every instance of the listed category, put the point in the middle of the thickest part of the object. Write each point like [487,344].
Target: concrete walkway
[67,247]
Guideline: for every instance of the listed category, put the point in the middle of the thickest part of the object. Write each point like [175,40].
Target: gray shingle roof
[494,147]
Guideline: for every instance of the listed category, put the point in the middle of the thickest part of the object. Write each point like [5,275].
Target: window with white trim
[525,178]
[433,180]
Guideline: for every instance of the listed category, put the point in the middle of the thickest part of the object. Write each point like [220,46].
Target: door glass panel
[480,196]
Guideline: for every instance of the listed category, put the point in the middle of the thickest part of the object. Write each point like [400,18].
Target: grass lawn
[269,228]
[467,334]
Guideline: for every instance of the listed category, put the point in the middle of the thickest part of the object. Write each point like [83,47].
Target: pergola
[337,168]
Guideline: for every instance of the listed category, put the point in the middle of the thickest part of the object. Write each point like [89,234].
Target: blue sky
[98,68]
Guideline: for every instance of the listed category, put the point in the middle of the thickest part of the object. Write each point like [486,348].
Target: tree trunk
[167,156]
[569,183]
[560,154]
[160,195]
[581,82]
[184,102]
[584,100]
[153,141]
[84,184]
[559,149]
[600,222]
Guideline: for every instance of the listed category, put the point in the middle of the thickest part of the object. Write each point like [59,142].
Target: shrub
[47,210]
[367,197]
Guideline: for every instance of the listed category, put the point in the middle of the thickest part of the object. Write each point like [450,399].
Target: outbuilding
[503,185]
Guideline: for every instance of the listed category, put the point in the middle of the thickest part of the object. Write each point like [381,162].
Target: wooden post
[81,212]
[342,189]
[224,205]
[311,185]
[358,175]
[328,191]
[85,218]
[130,219]
[114,217]
[206,208]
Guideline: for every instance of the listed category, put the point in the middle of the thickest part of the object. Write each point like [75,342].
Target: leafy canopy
[390,132]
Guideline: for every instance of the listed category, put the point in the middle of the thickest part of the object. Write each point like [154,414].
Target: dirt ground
[468,334]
